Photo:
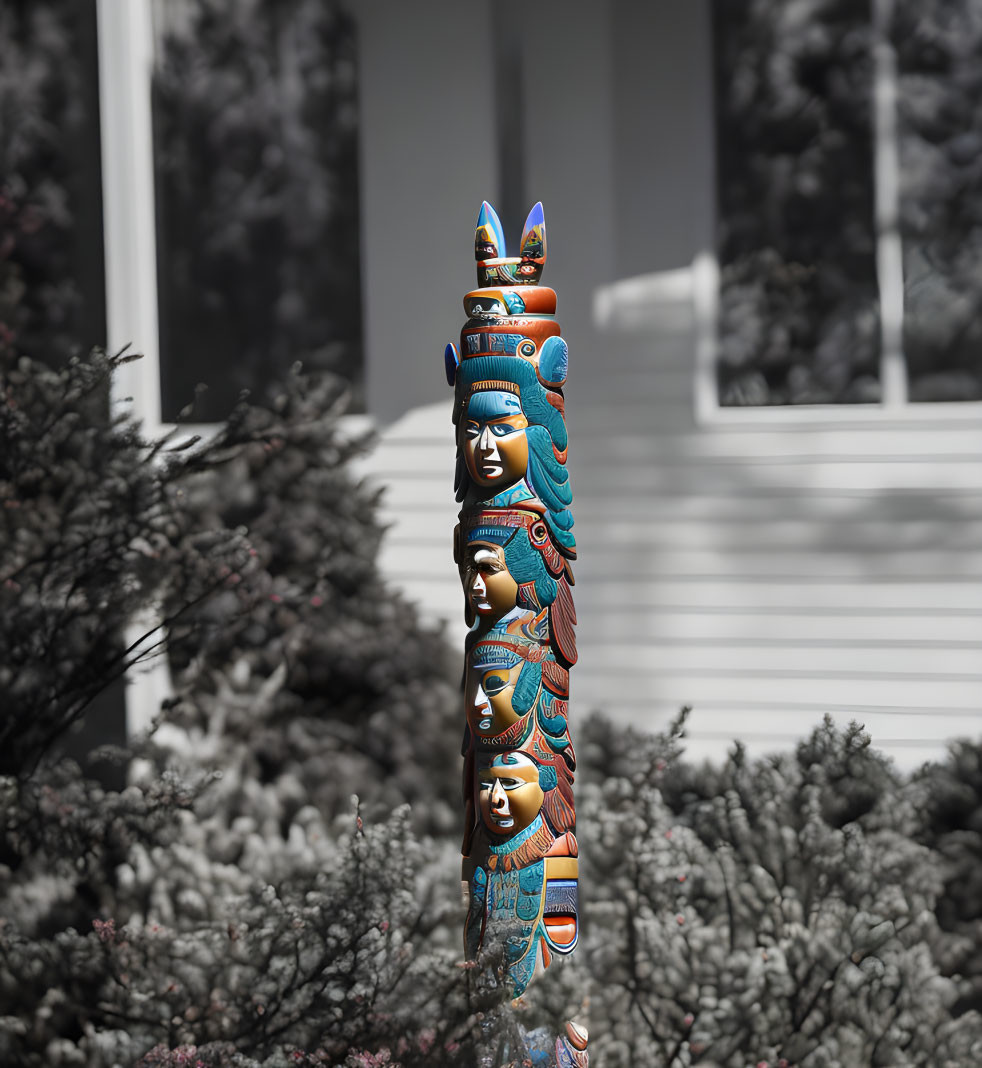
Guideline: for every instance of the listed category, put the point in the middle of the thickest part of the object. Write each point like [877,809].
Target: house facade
[763,565]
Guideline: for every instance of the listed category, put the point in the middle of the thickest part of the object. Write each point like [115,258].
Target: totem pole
[513,546]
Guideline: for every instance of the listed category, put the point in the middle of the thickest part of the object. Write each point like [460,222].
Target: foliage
[798,318]
[949,798]
[770,912]
[92,532]
[310,662]
[940,136]
[255,114]
[218,932]
[226,900]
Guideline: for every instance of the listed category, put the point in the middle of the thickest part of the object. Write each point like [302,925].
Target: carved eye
[494,684]
[538,533]
[501,430]
[473,430]
[526,348]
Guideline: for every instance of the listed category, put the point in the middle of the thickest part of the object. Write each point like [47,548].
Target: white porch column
[125,69]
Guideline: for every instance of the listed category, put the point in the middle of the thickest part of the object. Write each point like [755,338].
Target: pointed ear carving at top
[534,236]
[494,266]
[489,236]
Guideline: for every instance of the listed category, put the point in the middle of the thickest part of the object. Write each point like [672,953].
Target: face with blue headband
[493,439]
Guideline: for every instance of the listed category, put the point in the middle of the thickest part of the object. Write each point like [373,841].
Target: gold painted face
[511,797]
[488,699]
[488,584]
[493,440]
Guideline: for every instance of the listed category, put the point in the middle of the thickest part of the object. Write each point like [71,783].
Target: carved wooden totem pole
[514,546]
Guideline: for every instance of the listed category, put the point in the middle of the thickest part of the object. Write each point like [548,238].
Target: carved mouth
[503,821]
[492,470]
[484,724]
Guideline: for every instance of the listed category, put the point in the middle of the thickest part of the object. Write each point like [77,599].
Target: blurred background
[765,230]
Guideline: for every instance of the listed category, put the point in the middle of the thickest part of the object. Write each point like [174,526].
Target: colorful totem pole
[513,546]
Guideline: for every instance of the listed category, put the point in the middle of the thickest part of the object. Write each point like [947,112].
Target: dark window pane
[52,271]
[52,295]
[939,58]
[255,130]
[799,319]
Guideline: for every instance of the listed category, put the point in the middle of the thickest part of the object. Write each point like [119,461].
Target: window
[849,144]
[938,46]
[795,192]
[255,137]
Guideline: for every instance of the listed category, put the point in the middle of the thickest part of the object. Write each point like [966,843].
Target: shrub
[948,798]
[773,911]
[226,901]
[93,532]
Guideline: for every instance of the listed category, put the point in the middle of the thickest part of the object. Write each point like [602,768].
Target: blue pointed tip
[534,234]
[489,217]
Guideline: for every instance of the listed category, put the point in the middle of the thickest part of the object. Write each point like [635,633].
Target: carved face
[511,797]
[495,448]
[488,698]
[488,585]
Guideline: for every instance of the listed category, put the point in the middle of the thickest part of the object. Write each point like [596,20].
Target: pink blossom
[105,929]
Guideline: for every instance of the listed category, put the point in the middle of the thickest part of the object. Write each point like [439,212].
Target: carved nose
[499,799]
[480,586]
[488,445]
